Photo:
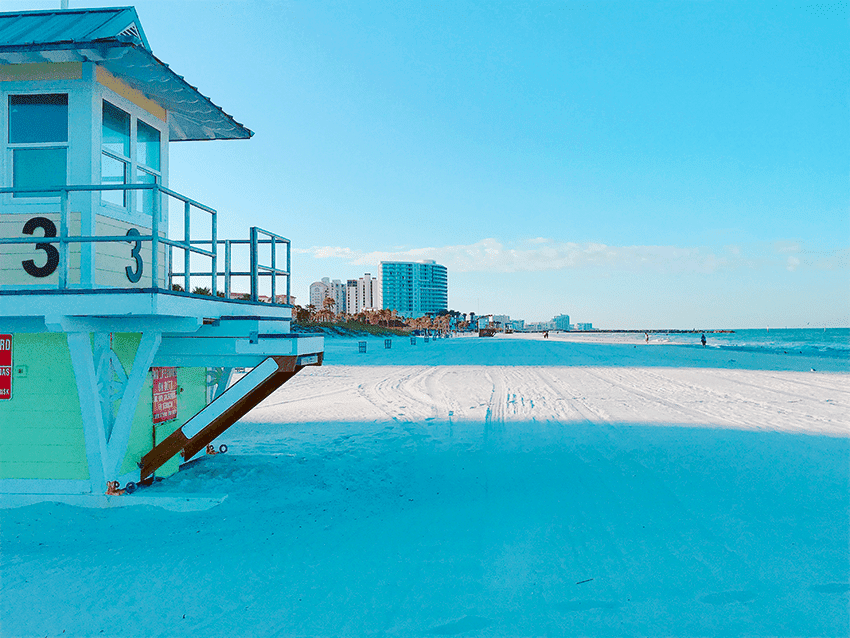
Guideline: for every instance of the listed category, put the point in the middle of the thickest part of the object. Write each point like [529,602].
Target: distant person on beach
[546,334]
[702,338]
[647,336]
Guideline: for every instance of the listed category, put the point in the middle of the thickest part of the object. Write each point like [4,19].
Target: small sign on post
[5,366]
[164,394]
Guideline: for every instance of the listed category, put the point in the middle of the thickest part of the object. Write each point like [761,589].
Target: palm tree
[327,312]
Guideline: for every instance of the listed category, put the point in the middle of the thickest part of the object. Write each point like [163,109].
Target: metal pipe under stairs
[194,435]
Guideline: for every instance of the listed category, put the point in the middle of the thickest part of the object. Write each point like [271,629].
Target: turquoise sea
[820,342]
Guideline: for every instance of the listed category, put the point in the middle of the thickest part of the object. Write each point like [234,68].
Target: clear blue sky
[631,164]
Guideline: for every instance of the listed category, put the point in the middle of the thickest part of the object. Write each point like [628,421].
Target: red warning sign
[164,394]
[5,366]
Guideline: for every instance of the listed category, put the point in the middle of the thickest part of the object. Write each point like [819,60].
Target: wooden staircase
[203,428]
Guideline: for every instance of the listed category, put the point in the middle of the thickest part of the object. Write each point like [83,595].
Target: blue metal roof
[114,39]
[70,25]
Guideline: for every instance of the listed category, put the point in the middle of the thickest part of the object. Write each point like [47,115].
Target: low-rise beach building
[562,322]
[539,326]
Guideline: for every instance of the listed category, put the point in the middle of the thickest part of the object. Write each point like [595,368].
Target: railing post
[187,213]
[255,283]
[227,269]
[213,288]
[63,240]
[274,267]
[288,278]
[157,206]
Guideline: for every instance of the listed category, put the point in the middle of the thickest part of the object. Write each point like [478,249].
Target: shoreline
[606,350]
[629,330]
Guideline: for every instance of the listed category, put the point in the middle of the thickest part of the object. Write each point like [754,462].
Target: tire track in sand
[709,405]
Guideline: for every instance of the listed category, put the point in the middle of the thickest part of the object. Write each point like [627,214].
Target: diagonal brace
[116,447]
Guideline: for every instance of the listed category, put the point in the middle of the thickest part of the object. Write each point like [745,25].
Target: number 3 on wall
[136,254]
[133,274]
[52,254]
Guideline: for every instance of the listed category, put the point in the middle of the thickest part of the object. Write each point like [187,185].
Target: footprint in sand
[727,597]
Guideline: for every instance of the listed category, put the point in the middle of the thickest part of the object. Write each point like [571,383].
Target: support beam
[117,444]
[107,365]
[82,359]
[222,380]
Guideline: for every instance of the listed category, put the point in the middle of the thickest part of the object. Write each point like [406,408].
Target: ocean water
[820,342]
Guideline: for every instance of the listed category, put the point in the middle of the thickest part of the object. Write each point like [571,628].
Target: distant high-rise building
[336,291]
[562,322]
[414,289]
[359,294]
[367,292]
[319,290]
[351,303]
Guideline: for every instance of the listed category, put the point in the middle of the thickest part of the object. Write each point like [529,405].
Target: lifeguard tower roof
[114,39]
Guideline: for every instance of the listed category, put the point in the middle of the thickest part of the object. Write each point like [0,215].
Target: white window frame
[126,161]
[11,147]
[144,168]
[130,213]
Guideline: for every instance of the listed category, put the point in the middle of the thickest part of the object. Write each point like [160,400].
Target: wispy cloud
[785,247]
[538,255]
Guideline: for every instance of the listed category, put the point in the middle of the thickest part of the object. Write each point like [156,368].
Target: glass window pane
[38,168]
[38,118]
[116,130]
[144,199]
[147,145]
[113,171]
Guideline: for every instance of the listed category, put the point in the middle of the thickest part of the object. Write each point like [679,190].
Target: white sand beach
[582,485]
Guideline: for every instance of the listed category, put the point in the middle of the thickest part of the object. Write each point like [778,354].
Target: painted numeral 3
[52,254]
[135,253]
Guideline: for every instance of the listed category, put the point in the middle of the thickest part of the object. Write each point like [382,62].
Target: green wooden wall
[41,430]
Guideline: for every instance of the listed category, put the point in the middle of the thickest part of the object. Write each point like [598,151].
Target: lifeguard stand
[117,341]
